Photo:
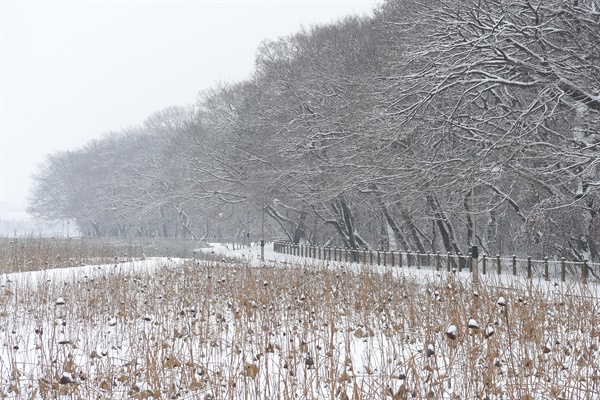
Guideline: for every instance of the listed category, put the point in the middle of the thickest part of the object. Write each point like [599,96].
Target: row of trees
[429,127]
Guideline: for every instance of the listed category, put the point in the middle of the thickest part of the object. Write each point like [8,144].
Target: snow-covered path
[505,280]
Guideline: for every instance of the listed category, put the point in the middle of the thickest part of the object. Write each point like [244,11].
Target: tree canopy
[426,126]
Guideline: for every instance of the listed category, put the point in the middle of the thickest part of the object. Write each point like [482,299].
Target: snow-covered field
[227,326]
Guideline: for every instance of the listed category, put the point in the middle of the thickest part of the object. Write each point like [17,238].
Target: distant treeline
[425,127]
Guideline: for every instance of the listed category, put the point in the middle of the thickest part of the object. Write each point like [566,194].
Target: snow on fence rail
[562,269]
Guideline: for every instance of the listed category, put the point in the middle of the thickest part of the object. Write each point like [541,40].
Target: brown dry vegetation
[34,253]
[226,330]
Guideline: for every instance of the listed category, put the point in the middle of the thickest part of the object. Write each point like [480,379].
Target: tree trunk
[441,220]
[395,228]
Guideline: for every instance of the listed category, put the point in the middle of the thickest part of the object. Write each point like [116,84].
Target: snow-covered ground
[230,326]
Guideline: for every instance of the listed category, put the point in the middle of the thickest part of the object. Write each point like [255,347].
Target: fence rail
[562,269]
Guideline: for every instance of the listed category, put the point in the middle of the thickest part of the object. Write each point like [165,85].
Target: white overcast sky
[72,71]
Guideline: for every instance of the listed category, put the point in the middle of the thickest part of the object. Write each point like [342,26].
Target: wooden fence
[548,269]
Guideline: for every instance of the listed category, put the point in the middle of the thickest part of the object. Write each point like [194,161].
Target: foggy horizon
[74,72]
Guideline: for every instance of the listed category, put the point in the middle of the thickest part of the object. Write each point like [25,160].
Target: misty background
[75,71]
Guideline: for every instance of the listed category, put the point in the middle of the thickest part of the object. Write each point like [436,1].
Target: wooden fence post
[469,260]
[563,269]
[498,264]
[546,273]
[399,259]
[448,260]
[514,264]
[474,270]
[438,261]
[483,264]
[529,270]
[408,258]
[584,271]
[392,257]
